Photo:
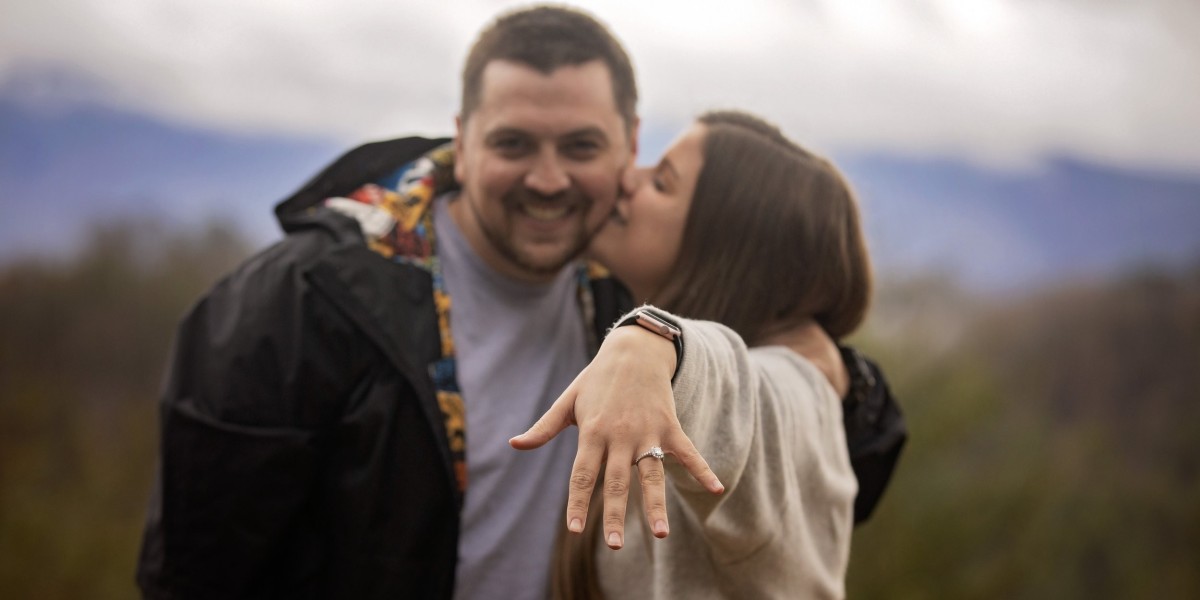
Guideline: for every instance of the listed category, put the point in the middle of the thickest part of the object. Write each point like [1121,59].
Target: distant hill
[998,230]
[991,230]
[60,171]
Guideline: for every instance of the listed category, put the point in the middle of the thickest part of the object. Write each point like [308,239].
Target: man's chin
[545,264]
[548,259]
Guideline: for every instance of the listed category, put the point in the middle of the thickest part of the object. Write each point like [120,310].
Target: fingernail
[576,525]
[716,486]
[614,540]
[660,528]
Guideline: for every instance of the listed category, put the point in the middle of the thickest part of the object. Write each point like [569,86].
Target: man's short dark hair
[546,38]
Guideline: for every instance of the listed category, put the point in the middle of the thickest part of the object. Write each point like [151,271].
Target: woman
[752,247]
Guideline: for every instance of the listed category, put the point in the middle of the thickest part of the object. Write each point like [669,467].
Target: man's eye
[658,183]
[582,149]
[509,145]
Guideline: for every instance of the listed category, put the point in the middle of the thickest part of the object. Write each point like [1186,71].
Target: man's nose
[547,175]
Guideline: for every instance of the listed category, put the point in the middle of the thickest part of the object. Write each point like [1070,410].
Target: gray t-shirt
[518,346]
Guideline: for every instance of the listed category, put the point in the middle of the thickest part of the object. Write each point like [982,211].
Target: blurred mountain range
[62,169]
[997,229]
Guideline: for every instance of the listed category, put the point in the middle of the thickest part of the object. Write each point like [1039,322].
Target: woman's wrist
[659,323]
[638,346]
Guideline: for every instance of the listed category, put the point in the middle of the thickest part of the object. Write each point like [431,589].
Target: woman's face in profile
[640,243]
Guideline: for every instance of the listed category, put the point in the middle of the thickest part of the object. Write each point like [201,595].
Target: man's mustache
[569,196]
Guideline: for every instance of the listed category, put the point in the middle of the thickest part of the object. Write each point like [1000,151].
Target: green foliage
[82,346]
[1052,449]
[1051,452]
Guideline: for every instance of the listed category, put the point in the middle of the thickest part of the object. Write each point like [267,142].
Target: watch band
[661,326]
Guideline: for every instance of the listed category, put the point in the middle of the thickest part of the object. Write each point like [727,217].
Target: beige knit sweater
[770,425]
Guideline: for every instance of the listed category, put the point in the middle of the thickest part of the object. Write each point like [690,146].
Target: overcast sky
[999,83]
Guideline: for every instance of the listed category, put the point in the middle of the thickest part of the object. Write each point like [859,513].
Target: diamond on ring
[654,451]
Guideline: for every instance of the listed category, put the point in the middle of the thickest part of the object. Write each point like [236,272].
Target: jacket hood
[363,164]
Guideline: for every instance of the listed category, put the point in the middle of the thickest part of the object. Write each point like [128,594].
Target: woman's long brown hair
[772,237]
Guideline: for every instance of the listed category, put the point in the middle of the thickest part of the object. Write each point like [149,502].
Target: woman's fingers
[652,476]
[584,474]
[616,497]
[559,417]
[687,455]
[612,458]
[596,456]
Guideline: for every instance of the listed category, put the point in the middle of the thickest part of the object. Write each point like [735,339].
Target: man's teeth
[546,213]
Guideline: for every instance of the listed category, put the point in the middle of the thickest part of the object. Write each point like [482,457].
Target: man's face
[539,161]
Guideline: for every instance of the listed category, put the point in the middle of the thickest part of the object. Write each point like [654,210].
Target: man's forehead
[593,72]
[567,99]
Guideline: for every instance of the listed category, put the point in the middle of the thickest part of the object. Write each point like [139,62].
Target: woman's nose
[632,178]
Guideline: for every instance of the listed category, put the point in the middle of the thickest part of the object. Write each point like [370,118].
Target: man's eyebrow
[589,132]
[584,132]
[503,131]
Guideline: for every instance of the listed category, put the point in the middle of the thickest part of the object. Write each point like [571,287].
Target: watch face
[657,325]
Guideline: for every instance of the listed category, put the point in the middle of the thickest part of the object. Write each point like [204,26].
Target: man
[336,416]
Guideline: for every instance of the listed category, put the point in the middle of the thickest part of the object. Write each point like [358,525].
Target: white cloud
[993,81]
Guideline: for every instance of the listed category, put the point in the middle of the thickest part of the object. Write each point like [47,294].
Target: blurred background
[1029,174]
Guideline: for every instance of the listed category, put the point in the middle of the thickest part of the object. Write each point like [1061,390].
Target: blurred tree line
[1052,451]
[83,343]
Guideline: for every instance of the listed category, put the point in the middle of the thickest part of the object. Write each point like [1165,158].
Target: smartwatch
[661,326]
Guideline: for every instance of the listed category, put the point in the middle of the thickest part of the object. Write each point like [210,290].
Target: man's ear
[459,157]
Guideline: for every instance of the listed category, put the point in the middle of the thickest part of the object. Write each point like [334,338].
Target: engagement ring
[654,451]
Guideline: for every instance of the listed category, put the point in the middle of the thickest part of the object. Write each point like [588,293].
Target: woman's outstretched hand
[623,405]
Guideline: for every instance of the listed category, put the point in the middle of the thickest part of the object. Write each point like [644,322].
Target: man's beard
[528,263]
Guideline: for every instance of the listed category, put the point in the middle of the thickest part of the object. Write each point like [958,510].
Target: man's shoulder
[314,234]
[279,269]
